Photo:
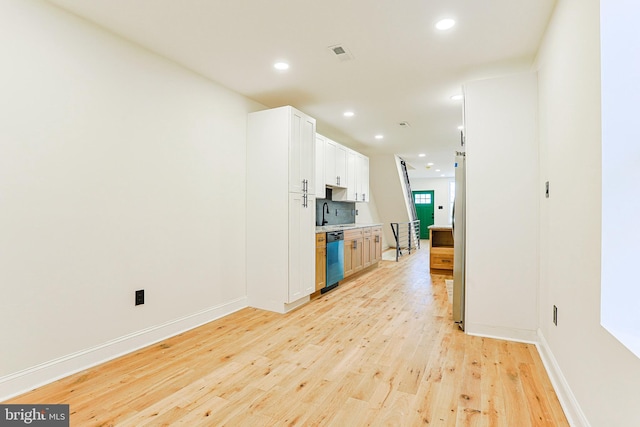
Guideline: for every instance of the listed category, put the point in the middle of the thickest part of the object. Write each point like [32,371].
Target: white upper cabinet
[302,151]
[345,170]
[362,177]
[321,188]
[335,164]
[357,177]
[352,179]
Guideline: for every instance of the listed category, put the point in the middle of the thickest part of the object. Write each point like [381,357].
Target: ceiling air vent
[341,52]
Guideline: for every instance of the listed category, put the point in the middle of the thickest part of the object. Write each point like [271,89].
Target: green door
[424,209]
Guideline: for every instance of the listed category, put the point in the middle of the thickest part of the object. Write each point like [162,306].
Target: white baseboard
[568,401]
[45,373]
[502,333]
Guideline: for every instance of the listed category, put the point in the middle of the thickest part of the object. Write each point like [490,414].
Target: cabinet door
[367,251]
[341,165]
[321,189]
[301,246]
[330,177]
[362,176]
[321,261]
[352,178]
[302,153]
[377,244]
[353,251]
[321,268]
[348,257]
[358,254]
[335,164]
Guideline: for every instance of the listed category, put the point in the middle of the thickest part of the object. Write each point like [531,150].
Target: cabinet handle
[338,180]
[363,197]
[355,244]
[356,196]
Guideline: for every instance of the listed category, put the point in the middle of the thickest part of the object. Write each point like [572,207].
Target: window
[422,199]
[620,292]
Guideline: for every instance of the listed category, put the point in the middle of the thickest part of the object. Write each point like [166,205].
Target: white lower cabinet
[302,246]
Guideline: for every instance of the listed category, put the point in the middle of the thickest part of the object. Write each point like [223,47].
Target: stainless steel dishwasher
[335,259]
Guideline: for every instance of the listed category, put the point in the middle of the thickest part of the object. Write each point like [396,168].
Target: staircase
[407,235]
[409,193]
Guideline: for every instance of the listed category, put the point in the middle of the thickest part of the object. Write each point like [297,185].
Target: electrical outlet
[140,297]
[555,315]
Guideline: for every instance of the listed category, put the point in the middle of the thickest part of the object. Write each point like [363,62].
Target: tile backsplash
[339,212]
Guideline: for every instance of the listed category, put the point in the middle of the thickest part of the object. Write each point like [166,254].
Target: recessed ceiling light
[456,97]
[281,66]
[349,113]
[421,155]
[445,24]
[379,136]
[460,127]
[437,170]
[429,164]
[442,175]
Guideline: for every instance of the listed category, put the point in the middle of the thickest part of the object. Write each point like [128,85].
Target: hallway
[379,350]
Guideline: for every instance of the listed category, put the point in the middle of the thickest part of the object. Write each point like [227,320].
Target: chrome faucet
[325,208]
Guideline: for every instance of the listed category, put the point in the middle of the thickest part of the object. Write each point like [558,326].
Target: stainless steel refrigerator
[459,224]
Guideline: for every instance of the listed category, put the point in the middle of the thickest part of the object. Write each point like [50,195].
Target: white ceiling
[402,68]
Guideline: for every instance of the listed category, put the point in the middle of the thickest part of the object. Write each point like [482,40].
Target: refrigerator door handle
[453,219]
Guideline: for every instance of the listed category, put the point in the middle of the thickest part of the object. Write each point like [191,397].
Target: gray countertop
[325,228]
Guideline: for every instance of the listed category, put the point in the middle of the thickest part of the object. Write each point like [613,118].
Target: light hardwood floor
[379,350]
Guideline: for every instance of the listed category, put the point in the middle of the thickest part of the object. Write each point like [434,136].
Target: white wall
[368,214]
[118,171]
[502,220]
[592,369]
[441,187]
[386,188]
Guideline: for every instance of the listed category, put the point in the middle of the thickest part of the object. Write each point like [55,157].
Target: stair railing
[407,236]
